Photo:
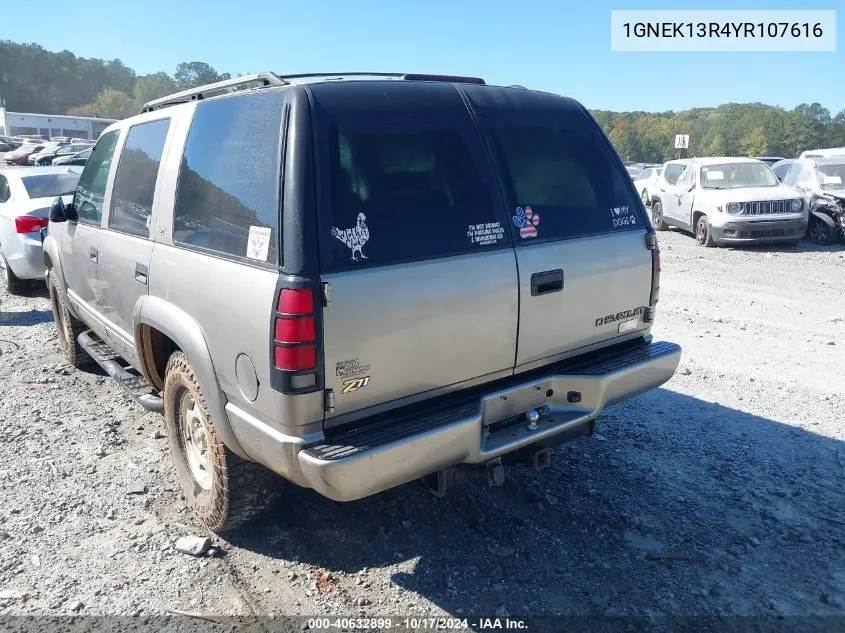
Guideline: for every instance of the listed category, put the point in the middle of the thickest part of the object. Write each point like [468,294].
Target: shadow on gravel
[29,317]
[676,506]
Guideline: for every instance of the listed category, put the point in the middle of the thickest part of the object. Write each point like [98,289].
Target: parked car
[769,160]
[823,181]
[79,158]
[48,149]
[25,199]
[823,153]
[648,181]
[21,155]
[731,201]
[45,157]
[419,328]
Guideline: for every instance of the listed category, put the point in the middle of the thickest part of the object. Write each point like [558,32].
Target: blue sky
[554,45]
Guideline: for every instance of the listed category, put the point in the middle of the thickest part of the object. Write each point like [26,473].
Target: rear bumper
[759,231]
[398,450]
[25,255]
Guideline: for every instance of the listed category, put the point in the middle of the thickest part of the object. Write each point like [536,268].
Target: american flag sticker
[529,227]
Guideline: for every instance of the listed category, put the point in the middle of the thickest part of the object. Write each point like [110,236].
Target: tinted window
[227,197]
[50,185]
[780,170]
[137,171]
[561,177]
[672,172]
[405,190]
[5,194]
[92,184]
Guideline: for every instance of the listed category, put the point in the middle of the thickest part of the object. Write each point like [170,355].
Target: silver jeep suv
[358,281]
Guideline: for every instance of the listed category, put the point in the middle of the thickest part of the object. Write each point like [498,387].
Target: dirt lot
[720,493]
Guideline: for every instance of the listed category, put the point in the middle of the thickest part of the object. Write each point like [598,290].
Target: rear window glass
[50,185]
[561,176]
[404,191]
[227,199]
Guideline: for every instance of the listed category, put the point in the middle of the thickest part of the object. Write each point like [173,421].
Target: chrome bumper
[361,463]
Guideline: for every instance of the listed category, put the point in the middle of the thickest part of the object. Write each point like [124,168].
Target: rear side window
[406,190]
[561,177]
[227,198]
[137,172]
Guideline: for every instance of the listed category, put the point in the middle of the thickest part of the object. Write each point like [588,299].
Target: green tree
[193,74]
[149,87]
[109,104]
[754,143]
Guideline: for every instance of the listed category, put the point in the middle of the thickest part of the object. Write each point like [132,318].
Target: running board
[127,377]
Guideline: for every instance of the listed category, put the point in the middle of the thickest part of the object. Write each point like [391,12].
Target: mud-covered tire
[68,327]
[236,490]
[11,282]
[657,220]
[702,232]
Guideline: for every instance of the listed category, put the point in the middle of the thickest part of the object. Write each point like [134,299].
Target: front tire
[13,284]
[820,233]
[68,327]
[702,232]
[224,490]
[657,220]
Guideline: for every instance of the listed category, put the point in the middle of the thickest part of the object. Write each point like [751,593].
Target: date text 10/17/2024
[416,624]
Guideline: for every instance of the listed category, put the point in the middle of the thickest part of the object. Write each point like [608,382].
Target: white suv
[731,200]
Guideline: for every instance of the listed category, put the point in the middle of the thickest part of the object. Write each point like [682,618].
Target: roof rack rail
[342,75]
[265,79]
[405,76]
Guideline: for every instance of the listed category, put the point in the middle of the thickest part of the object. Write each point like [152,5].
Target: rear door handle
[94,254]
[141,274]
[547,281]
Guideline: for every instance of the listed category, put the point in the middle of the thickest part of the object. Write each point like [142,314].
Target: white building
[49,125]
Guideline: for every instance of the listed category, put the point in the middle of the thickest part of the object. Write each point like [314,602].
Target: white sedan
[25,199]
[647,182]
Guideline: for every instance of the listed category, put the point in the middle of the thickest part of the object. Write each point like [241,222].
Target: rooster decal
[354,238]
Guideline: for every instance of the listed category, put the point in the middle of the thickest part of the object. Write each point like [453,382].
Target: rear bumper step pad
[126,377]
[399,448]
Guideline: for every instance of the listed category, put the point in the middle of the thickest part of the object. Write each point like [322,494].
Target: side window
[5,194]
[88,199]
[780,171]
[673,172]
[687,178]
[137,171]
[404,190]
[227,199]
[804,178]
[560,176]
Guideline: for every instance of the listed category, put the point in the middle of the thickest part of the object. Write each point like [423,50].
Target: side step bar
[126,377]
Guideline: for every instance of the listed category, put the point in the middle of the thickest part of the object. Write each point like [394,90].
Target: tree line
[33,79]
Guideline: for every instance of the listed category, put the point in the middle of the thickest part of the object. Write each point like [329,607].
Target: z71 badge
[355,384]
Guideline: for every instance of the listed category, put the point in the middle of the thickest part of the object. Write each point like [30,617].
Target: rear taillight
[651,243]
[29,224]
[295,330]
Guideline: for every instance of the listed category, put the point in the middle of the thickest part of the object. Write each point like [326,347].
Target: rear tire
[702,232]
[11,282]
[657,220]
[224,490]
[820,233]
[68,327]
[644,197]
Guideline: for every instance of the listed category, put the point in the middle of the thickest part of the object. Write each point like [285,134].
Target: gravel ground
[720,493]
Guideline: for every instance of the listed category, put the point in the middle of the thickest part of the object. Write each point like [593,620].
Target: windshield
[50,185]
[831,177]
[737,175]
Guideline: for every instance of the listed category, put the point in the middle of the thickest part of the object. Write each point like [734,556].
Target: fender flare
[824,217]
[51,251]
[184,330]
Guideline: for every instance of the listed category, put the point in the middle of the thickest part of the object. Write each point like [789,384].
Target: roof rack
[265,79]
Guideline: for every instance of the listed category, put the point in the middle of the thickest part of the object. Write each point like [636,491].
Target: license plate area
[767,233]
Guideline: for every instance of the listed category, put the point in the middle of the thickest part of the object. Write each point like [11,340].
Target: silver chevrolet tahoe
[356,281]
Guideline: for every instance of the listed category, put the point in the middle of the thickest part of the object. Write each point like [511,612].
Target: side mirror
[58,210]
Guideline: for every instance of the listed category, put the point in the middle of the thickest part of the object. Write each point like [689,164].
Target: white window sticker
[714,175]
[623,216]
[486,234]
[258,244]
[832,180]
[354,237]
